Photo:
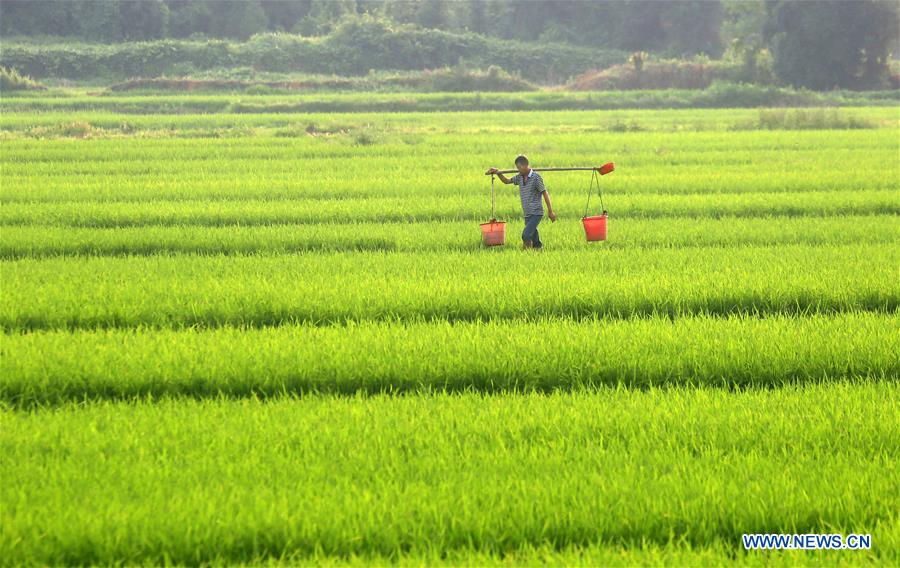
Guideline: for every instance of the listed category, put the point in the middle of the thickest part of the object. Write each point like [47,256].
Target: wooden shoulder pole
[606,168]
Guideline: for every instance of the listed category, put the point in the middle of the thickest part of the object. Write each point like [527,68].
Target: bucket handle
[594,176]
[493,217]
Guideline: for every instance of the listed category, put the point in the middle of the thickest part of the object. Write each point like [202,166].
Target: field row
[544,354]
[222,481]
[148,113]
[23,241]
[474,206]
[259,290]
[279,183]
[321,140]
[312,141]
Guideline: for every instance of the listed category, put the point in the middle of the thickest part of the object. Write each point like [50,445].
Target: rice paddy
[276,337]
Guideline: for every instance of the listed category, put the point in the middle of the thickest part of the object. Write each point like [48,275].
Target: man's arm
[502,177]
[550,213]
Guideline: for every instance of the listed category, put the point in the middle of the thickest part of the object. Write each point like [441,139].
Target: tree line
[822,44]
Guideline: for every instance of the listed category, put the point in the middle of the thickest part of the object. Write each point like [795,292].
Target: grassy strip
[717,96]
[473,207]
[658,174]
[54,187]
[54,367]
[322,288]
[700,143]
[462,476]
[28,241]
[16,117]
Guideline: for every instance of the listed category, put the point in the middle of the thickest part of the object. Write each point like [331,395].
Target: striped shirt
[530,191]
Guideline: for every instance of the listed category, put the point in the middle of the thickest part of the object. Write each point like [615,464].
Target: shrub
[459,80]
[11,80]
[356,46]
[77,129]
[642,74]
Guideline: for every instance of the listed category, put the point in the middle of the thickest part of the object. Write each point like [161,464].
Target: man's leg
[536,239]
[528,234]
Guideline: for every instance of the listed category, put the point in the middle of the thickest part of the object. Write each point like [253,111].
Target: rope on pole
[591,190]
[493,217]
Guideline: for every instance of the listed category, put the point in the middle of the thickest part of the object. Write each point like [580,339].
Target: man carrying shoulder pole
[531,189]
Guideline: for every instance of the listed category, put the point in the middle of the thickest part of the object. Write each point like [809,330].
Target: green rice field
[275,337]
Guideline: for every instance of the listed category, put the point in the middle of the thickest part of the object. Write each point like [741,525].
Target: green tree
[20,17]
[693,27]
[431,14]
[828,44]
[323,16]
[477,17]
[98,20]
[189,18]
[238,19]
[284,15]
[743,20]
[144,19]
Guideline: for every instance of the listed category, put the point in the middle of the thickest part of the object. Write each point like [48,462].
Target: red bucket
[595,227]
[493,233]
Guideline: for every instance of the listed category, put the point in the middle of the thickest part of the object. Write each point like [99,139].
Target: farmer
[531,187]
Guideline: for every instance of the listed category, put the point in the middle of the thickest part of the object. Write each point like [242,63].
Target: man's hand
[491,171]
[552,216]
